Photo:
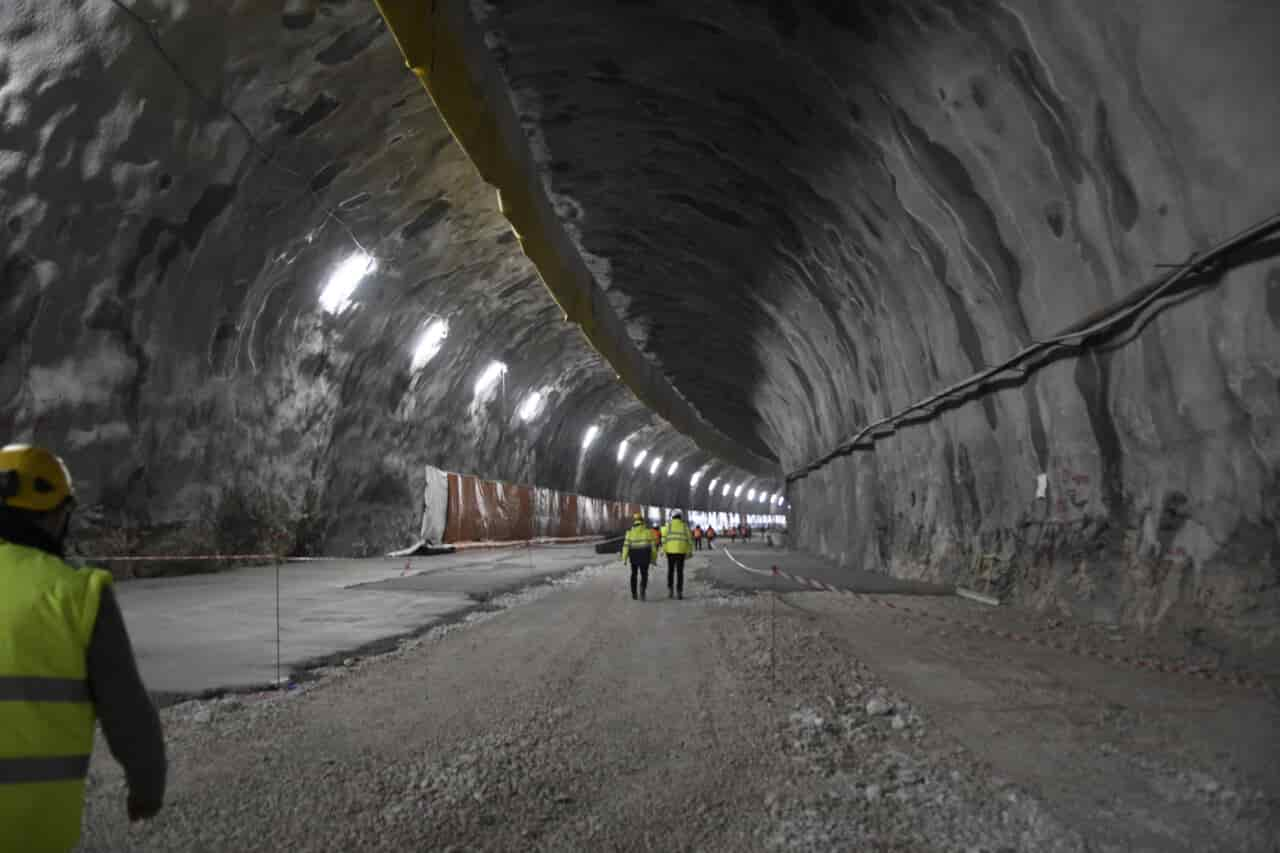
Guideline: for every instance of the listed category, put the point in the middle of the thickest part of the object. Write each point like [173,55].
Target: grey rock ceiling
[809,213]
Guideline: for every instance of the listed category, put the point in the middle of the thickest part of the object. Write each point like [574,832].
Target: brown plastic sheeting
[488,511]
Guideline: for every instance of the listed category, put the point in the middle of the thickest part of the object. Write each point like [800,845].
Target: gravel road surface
[576,719]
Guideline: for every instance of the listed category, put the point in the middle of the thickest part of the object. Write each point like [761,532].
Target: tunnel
[970,293]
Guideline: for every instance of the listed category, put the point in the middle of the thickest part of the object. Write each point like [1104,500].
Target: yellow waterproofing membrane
[444,46]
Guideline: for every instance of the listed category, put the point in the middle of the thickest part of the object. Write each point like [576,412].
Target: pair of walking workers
[640,549]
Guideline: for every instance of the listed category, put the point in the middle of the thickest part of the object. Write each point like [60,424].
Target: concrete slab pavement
[207,632]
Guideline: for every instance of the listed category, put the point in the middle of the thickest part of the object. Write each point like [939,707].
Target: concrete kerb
[1249,680]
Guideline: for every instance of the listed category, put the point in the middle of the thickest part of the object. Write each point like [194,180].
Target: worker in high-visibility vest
[678,543]
[640,548]
[711,537]
[697,537]
[65,659]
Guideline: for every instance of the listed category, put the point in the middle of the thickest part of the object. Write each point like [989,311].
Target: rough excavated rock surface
[860,203]
[177,183]
[809,213]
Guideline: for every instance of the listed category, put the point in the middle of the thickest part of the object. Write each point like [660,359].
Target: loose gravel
[570,718]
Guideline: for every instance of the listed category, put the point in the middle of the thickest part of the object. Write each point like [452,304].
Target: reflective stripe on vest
[33,688]
[54,768]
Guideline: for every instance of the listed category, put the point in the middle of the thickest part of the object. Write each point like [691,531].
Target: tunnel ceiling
[180,183]
[808,214]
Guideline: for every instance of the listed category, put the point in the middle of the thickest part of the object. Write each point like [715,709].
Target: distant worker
[711,536]
[640,547]
[697,537]
[65,659]
[678,546]
[733,533]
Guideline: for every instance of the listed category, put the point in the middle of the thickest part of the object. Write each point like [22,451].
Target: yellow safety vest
[638,536]
[675,538]
[47,613]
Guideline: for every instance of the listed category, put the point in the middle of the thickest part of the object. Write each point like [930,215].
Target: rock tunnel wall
[178,182]
[864,202]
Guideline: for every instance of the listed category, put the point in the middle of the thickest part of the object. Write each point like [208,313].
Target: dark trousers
[675,572]
[709,541]
[639,564]
[697,543]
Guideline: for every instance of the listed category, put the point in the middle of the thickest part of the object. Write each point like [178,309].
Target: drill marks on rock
[322,106]
[1120,191]
[434,212]
[1053,124]
[352,42]
[1093,379]
[167,239]
[326,176]
[20,300]
[1273,297]
[966,329]
[953,188]
[1054,216]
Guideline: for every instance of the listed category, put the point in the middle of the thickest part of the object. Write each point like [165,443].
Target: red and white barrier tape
[1237,679]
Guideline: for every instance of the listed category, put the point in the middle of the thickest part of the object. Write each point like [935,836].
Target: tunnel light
[751,495]
[622,451]
[640,458]
[726,490]
[590,437]
[429,343]
[495,371]
[346,277]
[672,469]
[737,493]
[657,460]
[531,406]
[693,481]
[712,488]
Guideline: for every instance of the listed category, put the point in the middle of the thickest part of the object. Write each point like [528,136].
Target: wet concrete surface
[205,633]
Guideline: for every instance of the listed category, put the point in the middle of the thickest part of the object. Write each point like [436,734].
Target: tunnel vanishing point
[953,284]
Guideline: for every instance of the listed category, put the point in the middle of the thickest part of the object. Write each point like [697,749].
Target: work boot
[642,594]
[680,595]
[671,593]
[633,595]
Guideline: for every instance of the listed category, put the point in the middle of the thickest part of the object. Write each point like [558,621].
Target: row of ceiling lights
[336,298]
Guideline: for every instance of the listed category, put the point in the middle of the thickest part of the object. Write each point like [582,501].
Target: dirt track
[580,720]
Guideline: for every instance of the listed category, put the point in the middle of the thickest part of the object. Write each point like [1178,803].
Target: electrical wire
[1096,327]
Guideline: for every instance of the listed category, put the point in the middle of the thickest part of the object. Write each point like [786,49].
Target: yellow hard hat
[638,517]
[32,478]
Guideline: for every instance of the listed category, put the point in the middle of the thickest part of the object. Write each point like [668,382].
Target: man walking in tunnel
[711,537]
[65,659]
[640,547]
[678,544]
[697,537]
